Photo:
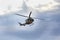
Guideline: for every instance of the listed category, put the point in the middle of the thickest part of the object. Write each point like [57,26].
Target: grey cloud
[57,1]
[46,29]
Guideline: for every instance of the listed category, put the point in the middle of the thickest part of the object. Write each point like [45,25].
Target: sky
[47,27]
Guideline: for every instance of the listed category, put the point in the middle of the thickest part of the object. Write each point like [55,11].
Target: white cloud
[7,6]
[42,5]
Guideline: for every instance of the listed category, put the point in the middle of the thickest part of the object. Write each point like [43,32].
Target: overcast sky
[46,28]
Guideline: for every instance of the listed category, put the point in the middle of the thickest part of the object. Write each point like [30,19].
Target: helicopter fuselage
[29,20]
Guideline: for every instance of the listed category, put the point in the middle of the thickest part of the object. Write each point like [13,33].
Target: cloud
[57,1]
[42,5]
[47,29]
[7,6]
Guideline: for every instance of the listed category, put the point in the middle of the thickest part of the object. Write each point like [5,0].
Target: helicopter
[28,21]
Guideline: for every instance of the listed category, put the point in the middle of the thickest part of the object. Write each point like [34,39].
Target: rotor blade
[30,14]
[32,17]
[38,18]
[21,15]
